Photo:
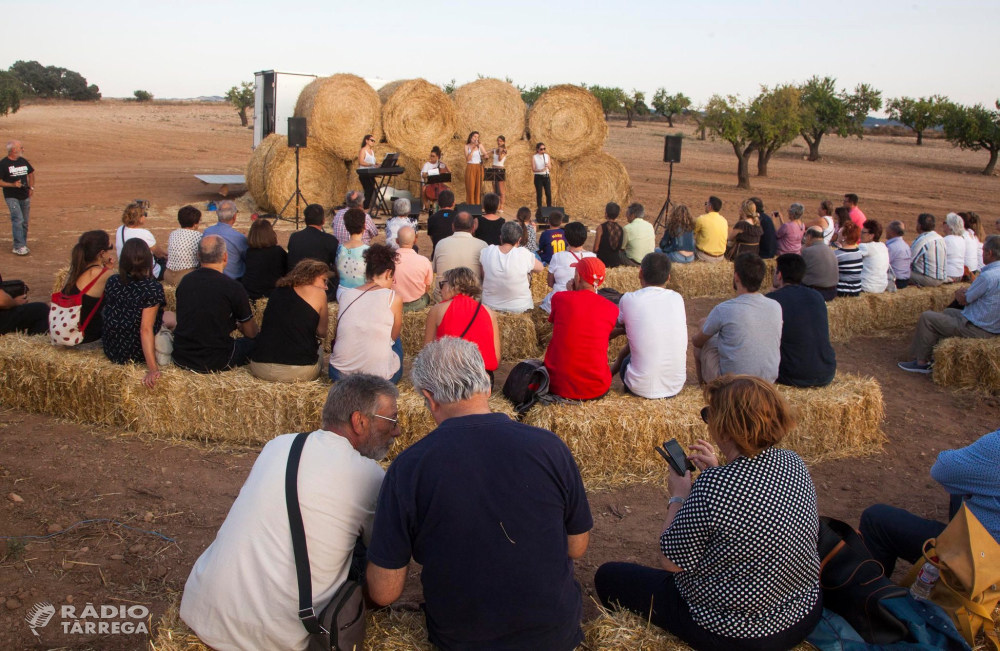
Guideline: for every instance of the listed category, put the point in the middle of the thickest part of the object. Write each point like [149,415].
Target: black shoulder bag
[341,625]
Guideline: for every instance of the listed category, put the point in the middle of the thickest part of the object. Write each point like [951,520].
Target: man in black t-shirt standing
[210,305]
[439,224]
[17,178]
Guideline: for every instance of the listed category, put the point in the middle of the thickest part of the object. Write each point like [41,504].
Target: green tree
[918,114]
[143,96]
[974,127]
[670,105]
[241,98]
[612,99]
[449,88]
[698,116]
[531,95]
[730,118]
[53,81]
[11,91]
[824,109]
[631,104]
[775,121]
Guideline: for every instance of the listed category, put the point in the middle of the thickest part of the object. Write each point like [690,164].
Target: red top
[577,357]
[456,318]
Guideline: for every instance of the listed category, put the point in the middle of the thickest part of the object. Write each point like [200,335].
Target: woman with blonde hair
[289,346]
[678,235]
[133,219]
[461,314]
[739,566]
[744,236]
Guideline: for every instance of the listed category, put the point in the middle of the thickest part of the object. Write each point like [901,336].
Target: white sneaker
[22,251]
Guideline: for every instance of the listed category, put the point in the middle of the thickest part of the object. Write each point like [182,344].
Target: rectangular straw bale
[518,339]
[169,291]
[968,364]
[539,286]
[612,438]
[692,280]
[880,314]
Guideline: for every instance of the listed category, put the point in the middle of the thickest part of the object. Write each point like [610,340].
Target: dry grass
[612,439]
[569,120]
[493,108]
[416,115]
[972,364]
[589,182]
[322,177]
[340,110]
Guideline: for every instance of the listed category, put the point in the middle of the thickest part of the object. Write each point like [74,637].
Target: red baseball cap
[591,270]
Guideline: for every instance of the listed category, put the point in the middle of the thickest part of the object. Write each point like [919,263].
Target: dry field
[93,159]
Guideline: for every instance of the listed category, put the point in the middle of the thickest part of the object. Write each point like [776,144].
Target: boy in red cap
[582,321]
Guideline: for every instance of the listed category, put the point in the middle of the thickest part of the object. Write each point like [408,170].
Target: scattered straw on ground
[491,107]
[569,120]
[972,364]
[589,182]
[340,110]
[416,115]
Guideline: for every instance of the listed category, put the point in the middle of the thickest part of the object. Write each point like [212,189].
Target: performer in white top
[431,169]
[474,154]
[499,159]
[541,165]
[366,158]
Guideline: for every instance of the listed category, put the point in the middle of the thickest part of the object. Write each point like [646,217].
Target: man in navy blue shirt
[494,511]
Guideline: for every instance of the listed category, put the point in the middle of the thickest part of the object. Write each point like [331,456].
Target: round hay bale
[256,185]
[520,185]
[587,183]
[453,154]
[416,115]
[569,120]
[322,178]
[491,107]
[340,110]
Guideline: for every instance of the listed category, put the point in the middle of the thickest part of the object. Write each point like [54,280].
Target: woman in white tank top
[474,154]
[824,220]
[499,160]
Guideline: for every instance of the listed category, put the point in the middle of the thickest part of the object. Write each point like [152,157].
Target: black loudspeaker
[545,212]
[471,208]
[297,132]
[672,149]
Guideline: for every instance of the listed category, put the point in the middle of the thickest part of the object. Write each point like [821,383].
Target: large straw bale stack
[569,120]
[588,183]
[322,177]
[968,364]
[256,179]
[340,110]
[612,438]
[416,115]
[492,107]
[169,291]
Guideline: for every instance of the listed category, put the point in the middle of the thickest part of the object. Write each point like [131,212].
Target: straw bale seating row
[972,364]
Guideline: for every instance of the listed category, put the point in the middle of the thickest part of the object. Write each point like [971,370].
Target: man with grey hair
[17,178]
[790,233]
[494,511]
[210,305]
[400,218]
[236,242]
[639,238]
[507,272]
[977,318]
[461,249]
[242,592]
[899,253]
[353,199]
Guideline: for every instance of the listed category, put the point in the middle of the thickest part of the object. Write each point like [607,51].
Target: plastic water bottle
[924,584]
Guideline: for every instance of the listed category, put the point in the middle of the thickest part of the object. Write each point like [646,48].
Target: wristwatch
[675,500]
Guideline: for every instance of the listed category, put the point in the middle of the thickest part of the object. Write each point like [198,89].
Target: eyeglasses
[704,414]
[442,284]
[394,421]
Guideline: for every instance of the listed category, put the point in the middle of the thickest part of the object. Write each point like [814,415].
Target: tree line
[31,79]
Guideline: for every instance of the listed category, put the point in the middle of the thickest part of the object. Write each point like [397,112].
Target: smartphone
[674,455]
[775,213]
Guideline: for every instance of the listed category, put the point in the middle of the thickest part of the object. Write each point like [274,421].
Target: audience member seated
[711,232]
[979,317]
[552,240]
[790,233]
[954,246]
[899,253]
[653,364]
[414,273]
[608,240]
[875,259]
[824,220]
[843,215]
[739,567]
[133,219]
[639,238]
[266,262]
[822,271]
[529,231]
[236,242]
[18,315]
[928,254]
[311,243]
[678,236]
[353,200]
[974,242]
[850,263]
[582,321]
[851,204]
[89,270]
[369,322]
[744,236]
[462,314]
[439,224]
[351,253]
[741,335]
[768,235]
[807,358]
[400,219]
[506,271]
[971,475]
[210,305]
[562,267]
[460,249]
[289,347]
[489,225]
[182,246]
[133,311]
[493,510]
[339,477]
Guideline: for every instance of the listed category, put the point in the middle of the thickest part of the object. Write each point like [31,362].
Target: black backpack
[526,384]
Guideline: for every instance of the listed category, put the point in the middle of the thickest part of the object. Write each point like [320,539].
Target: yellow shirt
[710,233]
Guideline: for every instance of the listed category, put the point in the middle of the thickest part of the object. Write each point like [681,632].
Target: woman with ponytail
[92,257]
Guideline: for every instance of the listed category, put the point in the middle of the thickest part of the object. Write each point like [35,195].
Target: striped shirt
[930,256]
[983,297]
[850,264]
[340,230]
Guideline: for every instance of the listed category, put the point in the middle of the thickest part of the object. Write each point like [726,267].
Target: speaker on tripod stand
[297,137]
[671,155]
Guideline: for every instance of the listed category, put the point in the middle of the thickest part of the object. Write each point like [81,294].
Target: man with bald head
[460,249]
[17,178]
[414,274]
[210,305]
[236,242]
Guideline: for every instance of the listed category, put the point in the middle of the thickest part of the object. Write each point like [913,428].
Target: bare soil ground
[92,159]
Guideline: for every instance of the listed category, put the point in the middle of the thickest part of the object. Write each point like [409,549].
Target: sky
[181,49]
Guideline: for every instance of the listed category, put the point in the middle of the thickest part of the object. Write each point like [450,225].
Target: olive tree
[11,91]
[974,128]
[775,121]
[632,104]
[670,105]
[824,109]
[241,98]
[918,114]
[729,118]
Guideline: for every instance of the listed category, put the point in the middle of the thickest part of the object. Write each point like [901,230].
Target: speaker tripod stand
[661,218]
[295,195]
